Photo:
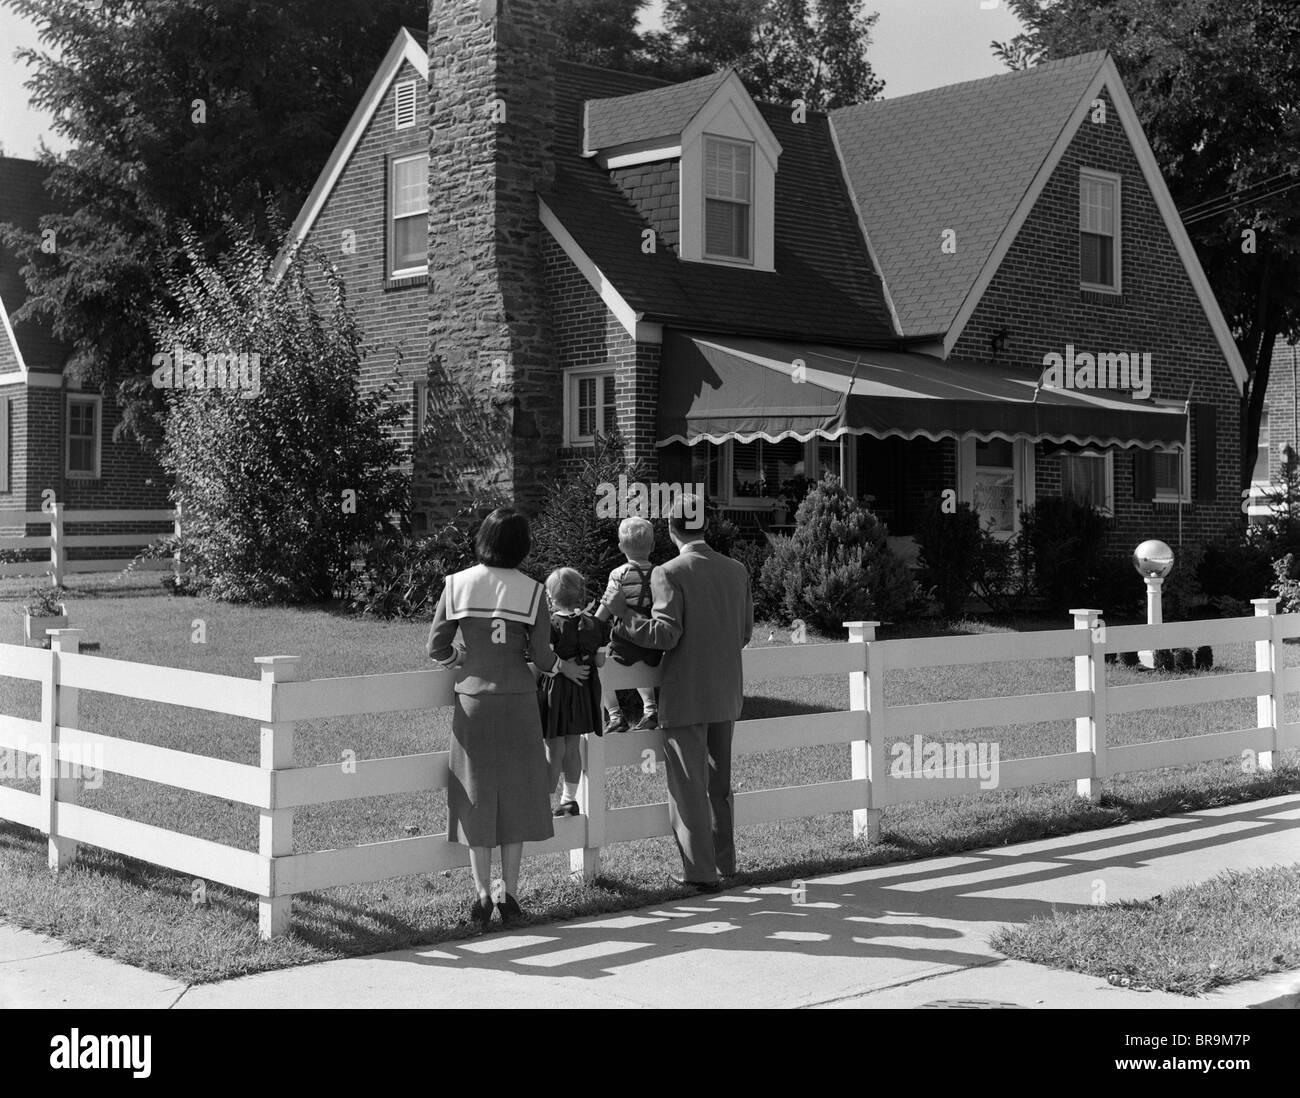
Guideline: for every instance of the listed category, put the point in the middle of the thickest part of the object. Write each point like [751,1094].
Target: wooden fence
[58,542]
[275,872]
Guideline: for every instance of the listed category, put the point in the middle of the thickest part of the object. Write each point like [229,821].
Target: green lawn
[145,916]
[1238,926]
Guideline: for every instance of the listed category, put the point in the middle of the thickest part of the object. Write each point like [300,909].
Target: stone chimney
[495,415]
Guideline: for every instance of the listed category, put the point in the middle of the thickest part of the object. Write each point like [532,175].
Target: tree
[281,472]
[208,113]
[1217,88]
[814,50]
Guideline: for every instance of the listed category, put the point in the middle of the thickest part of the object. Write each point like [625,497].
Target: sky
[917,45]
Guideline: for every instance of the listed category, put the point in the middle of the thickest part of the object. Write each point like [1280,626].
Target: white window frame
[1108,508]
[1022,463]
[1117,182]
[571,376]
[1173,497]
[1264,442]
[713,257]
[390,205]
[404,93]
[730,114]
[419,408]
[97,402]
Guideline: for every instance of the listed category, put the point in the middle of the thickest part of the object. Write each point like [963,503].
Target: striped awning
[720,388]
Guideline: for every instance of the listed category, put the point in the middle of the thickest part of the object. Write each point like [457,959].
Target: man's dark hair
[687,519]
[503,540]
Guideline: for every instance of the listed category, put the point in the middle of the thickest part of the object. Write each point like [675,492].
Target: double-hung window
[728,199]
[408,204]
[1087,478]
[590,407]
[83,436]
[1099,222]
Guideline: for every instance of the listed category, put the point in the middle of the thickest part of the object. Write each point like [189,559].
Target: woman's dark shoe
[567,808]
[481,912]
[511,912]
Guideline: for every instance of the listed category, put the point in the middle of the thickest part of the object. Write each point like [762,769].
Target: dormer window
[728,199]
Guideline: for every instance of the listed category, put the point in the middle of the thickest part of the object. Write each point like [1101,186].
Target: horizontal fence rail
[871,729]
[58,541]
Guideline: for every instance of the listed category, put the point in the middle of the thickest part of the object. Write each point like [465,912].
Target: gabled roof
[974,158]
[959,157]
[824,286]
[641,116]
[23,201]
[404,50]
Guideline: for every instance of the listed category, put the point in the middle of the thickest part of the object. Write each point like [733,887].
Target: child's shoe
[648,723]
[615,724]
[566,808]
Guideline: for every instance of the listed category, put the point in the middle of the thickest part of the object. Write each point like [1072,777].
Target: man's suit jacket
[703,615]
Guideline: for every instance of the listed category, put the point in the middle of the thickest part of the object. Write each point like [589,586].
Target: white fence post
[1090,731]
[867,695]
[275,838]
[591,803]
[57,551]
[59,707]
[1268,657]
[177,564]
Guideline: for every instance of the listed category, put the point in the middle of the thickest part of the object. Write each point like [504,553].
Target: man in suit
[703,615]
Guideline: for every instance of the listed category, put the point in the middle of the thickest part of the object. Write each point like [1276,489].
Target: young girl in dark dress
[570,709]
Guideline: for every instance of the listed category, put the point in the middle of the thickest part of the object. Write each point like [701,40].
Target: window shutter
[1207,453]
[1144,476]
[404,104]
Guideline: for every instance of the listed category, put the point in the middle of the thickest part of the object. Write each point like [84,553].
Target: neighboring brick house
[752,293]
[1279,426]
[56,435]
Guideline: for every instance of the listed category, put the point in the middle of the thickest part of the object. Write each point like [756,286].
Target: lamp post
[1154,560]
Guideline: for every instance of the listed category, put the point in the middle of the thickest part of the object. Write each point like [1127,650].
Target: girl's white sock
[570,791]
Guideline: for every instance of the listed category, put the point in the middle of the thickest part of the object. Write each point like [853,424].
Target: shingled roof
[641,116]
[824,286]
[23,201]
[959,157]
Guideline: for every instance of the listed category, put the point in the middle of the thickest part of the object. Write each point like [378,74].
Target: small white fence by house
[278,702]
[58,542]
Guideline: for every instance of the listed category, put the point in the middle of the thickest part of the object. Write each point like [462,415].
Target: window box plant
[43,608]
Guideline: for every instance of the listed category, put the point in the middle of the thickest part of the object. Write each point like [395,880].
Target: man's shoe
[615,724]
[648,723]
[699,886]
[566,808]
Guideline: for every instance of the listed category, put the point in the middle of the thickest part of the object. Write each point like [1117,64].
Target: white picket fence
[57,542]
[275,872]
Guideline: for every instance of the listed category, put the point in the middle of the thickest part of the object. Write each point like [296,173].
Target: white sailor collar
[483,592]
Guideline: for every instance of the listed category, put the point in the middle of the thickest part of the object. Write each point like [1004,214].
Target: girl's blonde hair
[567,588]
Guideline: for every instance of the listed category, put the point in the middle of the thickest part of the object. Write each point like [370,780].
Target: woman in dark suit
[498,792]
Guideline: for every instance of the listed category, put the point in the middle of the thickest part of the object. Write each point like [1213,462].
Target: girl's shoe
[481,912]
[566,808]
[511,912]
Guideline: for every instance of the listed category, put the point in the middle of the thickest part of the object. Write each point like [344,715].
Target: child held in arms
[570,709]
[636,541]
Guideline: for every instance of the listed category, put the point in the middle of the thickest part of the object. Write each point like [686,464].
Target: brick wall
[1035,297]
[1281,404]
[352,231]
[586,333]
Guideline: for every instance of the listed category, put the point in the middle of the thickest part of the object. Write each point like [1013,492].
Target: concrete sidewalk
[902,935]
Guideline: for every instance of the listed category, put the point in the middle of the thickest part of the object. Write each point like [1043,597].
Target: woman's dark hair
[503,540]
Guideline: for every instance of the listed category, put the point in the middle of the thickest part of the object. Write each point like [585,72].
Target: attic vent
[404,104]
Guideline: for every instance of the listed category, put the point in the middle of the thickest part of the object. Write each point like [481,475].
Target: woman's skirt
[498,789]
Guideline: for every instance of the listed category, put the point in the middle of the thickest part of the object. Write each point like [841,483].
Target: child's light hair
[637,535]
[567,588]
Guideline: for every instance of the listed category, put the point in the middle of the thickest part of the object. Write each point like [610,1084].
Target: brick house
[55,434]
[917,294]
[1279,426]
